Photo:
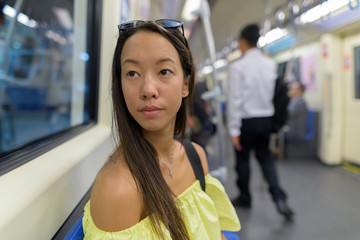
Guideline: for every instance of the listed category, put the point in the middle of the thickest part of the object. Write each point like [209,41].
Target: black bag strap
[195,162]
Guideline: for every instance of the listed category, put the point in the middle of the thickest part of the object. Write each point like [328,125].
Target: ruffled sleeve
[205,215]
[141,230]
[229,220]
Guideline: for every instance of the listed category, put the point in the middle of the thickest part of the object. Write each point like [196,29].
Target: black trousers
[255,135]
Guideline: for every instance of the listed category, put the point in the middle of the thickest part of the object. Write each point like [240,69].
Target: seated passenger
[148,188]
[297,110]
[199,120]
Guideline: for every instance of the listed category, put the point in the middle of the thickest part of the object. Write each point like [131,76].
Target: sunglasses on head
[169,24]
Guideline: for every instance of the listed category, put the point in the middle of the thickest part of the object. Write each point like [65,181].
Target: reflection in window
[357,71]
[43,62]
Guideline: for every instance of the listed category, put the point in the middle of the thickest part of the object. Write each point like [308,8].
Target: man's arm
[236,142]
[235,100]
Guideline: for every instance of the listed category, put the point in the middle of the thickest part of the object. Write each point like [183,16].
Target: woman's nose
[149,89]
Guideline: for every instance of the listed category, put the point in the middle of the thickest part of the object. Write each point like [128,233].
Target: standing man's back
[250,110]
[256,84]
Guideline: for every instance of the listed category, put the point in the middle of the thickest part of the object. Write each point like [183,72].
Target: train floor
[325,199]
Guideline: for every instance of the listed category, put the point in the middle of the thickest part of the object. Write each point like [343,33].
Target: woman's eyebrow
[165,60]
[133,61]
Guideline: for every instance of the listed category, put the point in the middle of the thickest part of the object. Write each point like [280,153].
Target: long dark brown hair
[139,154]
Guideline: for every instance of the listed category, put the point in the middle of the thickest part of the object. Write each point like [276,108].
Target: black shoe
[241,202]
[284,209]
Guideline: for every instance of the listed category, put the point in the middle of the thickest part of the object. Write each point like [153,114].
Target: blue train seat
[77,233]
[310,126]
[231,235]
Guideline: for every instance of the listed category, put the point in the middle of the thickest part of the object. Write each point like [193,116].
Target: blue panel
[340,20]
[76,232]
[281,45]
[231,235]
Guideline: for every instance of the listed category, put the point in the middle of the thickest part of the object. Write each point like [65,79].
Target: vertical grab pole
[9,37]
[204,14]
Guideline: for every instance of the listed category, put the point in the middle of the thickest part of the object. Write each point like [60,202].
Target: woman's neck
[161,142]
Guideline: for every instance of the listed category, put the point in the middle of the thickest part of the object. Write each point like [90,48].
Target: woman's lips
[150,111]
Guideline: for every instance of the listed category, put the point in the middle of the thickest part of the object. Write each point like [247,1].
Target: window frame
[15,158]
[357,73]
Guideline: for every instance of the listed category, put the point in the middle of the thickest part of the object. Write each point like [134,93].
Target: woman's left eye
[165,72]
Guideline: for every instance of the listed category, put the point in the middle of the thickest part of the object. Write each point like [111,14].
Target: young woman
[147,189]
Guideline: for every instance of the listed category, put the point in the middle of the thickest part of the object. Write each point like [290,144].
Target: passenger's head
[152,60]
[249,37]
[2,15]
[296,89]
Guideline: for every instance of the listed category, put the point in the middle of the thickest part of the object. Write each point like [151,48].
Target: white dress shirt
[251,88]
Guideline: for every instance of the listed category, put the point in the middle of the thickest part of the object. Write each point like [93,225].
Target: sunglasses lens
[167,23]
[173,26]
[129,25]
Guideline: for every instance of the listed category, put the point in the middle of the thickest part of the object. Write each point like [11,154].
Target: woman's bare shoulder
[202,156]
[115,201]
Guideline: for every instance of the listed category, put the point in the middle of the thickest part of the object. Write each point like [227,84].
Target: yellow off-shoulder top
[206,214]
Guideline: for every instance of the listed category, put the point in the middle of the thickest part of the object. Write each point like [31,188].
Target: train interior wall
[332,94]
[351,151]
[41,194]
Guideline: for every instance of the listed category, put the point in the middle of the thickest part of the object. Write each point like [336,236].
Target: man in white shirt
[250,110]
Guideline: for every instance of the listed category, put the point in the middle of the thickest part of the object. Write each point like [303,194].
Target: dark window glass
[46,49]
[357,71]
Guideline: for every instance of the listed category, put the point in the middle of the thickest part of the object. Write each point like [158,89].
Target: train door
[351,66]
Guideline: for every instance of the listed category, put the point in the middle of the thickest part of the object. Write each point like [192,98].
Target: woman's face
[152,80]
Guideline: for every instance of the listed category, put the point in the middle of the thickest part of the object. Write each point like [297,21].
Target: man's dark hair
[251,34]
[2,15]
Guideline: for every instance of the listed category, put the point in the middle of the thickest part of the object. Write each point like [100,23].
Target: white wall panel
[352,105]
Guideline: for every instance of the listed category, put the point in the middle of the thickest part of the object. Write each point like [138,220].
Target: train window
[49,51]
[357,71]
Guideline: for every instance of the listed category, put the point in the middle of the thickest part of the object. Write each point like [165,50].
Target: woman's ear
[185,90]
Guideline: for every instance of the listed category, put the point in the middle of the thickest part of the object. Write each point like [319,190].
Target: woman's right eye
[132,74]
